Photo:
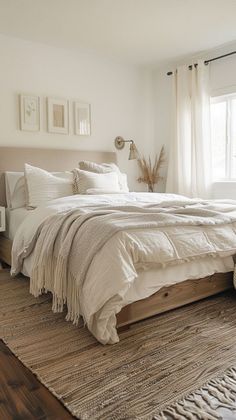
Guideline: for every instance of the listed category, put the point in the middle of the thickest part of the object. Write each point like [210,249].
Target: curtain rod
[206,62]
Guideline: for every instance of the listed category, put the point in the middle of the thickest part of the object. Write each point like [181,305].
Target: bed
[177,286]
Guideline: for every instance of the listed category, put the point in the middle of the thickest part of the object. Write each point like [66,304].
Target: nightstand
[2,219]
[2,226]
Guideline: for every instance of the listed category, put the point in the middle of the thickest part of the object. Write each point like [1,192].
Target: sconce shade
[133,151]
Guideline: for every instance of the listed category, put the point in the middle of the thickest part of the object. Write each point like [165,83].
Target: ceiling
[142,32]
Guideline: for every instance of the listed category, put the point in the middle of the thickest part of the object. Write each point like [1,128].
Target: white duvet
[110,276]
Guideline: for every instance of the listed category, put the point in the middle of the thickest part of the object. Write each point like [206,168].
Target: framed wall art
[29,112]
[82,119]
[58,115]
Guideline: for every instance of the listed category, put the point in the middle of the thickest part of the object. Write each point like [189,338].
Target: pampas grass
[151,173]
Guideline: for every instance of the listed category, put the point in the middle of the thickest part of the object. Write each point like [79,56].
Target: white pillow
[42,186]
[123,182]
[102,168]
[15,189]
[85,180]
[92,191]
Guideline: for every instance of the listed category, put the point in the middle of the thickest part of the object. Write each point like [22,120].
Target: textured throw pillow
[42,186]
[85,180]
[15,190]
[105,168]
[99,168]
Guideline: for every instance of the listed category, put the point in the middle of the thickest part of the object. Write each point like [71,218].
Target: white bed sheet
[150,281]
[14,217]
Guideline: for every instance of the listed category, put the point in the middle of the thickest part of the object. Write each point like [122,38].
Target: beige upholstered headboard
[14,158]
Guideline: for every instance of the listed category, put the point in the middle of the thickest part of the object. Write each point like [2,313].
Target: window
[223,129]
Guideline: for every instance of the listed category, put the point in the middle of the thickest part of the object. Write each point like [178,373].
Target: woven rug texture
[156,363]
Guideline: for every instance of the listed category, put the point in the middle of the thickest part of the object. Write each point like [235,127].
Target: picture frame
[82,118]
[29,112]
[58,115]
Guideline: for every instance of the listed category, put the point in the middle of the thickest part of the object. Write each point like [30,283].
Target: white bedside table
[2,219]
[2,225]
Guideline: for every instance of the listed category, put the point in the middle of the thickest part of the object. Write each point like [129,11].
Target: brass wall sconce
[133,151]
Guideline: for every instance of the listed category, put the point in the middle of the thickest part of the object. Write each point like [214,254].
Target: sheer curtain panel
[189,169]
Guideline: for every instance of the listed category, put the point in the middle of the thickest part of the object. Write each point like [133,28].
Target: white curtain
[189,169]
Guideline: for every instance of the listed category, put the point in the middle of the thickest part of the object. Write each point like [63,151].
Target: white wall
[118,94]
[124,100]
[222,81]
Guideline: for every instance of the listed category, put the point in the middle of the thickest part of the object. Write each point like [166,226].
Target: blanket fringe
[202,404]
[53,277]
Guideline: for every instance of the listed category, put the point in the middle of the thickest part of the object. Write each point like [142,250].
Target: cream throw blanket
[65,244]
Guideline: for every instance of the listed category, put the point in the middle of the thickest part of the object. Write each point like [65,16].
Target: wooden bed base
[165,299]
[174,296]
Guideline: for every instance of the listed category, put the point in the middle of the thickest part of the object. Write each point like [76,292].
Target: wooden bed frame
[13,159]
[165,299]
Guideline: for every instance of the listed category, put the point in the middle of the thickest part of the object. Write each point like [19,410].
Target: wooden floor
[22,396]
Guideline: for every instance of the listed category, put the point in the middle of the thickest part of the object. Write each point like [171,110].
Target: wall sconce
[133,151]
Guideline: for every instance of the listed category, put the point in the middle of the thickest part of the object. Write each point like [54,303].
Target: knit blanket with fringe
[65,244]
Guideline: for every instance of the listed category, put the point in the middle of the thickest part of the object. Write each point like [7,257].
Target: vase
[150,188]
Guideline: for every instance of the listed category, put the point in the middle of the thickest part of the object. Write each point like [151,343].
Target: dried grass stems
[151,172]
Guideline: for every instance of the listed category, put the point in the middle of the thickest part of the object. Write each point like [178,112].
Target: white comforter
[110,275]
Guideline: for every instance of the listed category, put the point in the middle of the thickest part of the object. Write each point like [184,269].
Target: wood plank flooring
[22,396]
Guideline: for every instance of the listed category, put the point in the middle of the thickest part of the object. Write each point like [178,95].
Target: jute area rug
[177,365]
